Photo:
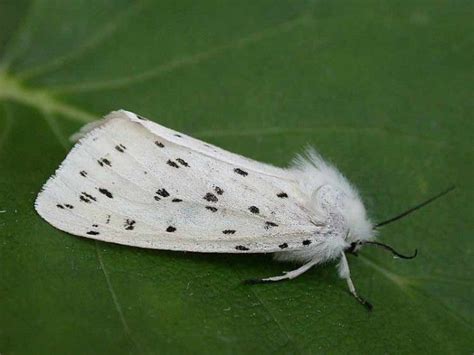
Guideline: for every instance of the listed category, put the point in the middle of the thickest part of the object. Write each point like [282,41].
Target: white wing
[131,181]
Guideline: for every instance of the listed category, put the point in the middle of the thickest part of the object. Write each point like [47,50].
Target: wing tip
[124,114]
[92,126]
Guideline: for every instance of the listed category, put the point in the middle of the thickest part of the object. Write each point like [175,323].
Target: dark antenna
[394,252]
[413,209]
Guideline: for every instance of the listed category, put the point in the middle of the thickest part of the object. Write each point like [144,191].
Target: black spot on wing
[83,173]
[306,242]
[283,246]
[106,192]
[282,195]
[176,200]
[120,147]
[66,205]
[162,193]
[240,172]
[182,162]
[129,224]
[254,209]
[269,224]
[177,135]
[170,229]
[173,164]
[218,190]
[241,247]
[210,197]
[159,144]
[92,233]
[228,231]
[212,209]
[104,161]
[141,118]
[87,198]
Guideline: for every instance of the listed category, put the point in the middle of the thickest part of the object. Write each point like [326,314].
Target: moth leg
[287,275]
[344,272]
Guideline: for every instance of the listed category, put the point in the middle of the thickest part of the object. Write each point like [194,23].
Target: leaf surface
[383,89]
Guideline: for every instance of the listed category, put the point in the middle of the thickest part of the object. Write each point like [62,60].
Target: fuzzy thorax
[333,203]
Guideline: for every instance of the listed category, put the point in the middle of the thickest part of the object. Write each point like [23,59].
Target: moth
[131,181]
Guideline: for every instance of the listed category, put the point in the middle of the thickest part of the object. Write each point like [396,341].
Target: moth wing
[131,181]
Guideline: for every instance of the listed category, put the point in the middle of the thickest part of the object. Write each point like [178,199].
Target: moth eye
[353,246]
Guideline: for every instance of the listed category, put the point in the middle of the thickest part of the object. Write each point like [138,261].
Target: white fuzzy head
[360,227]
[331,193]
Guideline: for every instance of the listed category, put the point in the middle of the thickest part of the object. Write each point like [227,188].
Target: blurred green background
[382,88]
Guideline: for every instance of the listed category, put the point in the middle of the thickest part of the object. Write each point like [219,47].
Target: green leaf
[383,89]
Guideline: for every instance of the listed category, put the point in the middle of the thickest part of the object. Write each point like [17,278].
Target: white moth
[131,181]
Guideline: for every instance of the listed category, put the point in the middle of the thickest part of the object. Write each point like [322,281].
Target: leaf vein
[288,130]
[15,46]
[275,320]
[103,33]
[180,62]
[110,288]
[7,127]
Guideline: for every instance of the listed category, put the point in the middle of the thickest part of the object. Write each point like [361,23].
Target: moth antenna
[394,252]
[414,208]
